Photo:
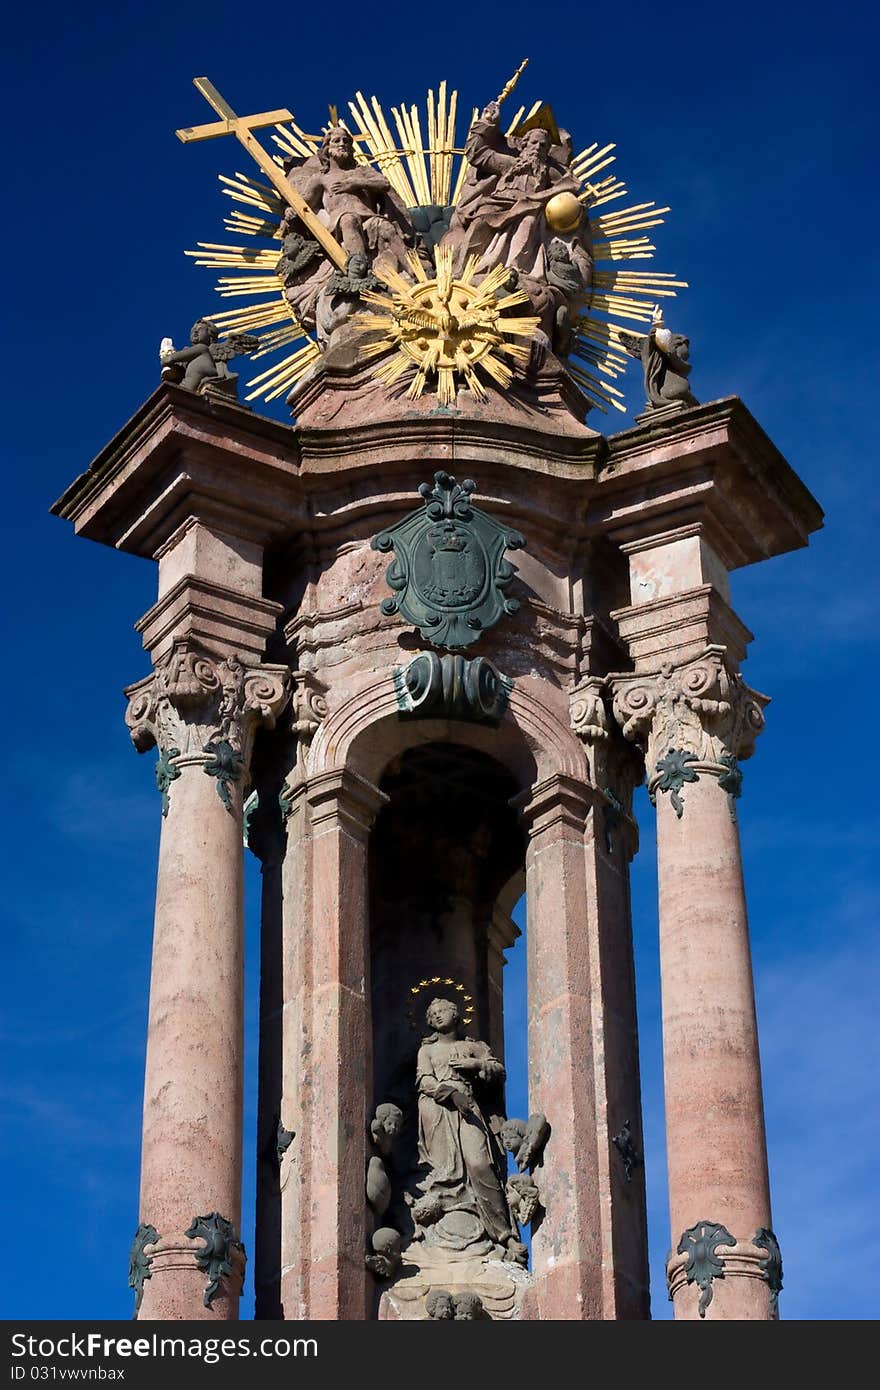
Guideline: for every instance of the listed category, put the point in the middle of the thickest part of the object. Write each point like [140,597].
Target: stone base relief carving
[197,711]
[694,720]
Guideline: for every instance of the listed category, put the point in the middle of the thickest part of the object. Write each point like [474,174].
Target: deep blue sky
[757,124]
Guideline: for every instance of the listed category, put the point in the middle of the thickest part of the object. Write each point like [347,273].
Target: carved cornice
[341,799]
[694,719]
[203,712]
[556,801]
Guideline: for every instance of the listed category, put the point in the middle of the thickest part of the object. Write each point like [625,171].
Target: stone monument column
[589,1251]
[200,714]
[696,719]
[327,1045]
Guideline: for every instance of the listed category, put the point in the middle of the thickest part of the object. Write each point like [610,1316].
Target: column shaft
[567,1245]
[716,1148]
[191,1156]
[328,1058]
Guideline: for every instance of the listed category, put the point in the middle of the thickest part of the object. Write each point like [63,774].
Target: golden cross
[243,127]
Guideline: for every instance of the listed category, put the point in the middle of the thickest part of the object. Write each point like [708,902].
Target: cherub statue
[526,1140]
[302,269]
[339,296]
[384,1129]
[206,358]
[523,1197]
[385,1259]
[439,1304]
[666,363]
[385,1126]
[468,1306]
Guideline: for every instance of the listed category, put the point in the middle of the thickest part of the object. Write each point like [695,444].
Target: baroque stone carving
[692,720]
[615,766]
[526,1140]
[666,364]
[519,208]
[222,1254]
[384,1129]
[771,1265]
[339,298]
[204,364]
[623,1142]
[700,1245]
[452,687]
[384,1262]
[524,1197]
[449,570]
[466,1306]
[203,712]
[463,1203]
[308,709]
[354,201]
[440,1304]
[139,1261]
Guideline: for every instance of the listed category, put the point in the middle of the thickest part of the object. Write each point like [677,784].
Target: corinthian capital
[202,711]
[696,718]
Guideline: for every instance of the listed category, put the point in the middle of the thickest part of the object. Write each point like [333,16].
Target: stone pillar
[697,719]
[610,844]
[327,1047]
[589,1261]
[200,714]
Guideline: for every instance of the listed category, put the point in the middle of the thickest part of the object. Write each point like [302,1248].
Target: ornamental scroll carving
[204,712]
[615,766]
[308,710]
[691,720]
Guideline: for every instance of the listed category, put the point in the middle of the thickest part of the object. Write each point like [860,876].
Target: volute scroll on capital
[199,711]
[697,718]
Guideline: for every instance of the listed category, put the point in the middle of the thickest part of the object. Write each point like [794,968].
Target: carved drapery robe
[460,1149]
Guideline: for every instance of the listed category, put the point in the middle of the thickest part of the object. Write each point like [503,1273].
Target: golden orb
[563,212]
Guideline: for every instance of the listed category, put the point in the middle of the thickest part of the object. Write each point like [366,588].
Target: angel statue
[206,359]
[666,363]
[464,1202]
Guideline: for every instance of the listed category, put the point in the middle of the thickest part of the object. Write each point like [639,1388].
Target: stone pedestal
[622,661]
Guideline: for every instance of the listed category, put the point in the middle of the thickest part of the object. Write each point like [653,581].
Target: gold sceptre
[243,127]
[509,86]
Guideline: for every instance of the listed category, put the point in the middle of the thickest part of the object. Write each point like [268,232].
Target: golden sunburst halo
[444,327]
[426,166]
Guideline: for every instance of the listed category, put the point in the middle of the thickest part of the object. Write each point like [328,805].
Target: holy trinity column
[417,646]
